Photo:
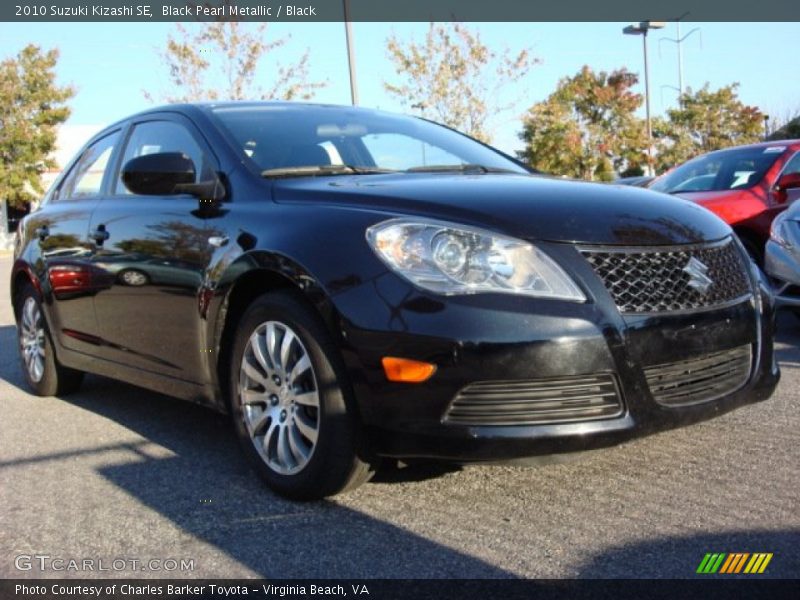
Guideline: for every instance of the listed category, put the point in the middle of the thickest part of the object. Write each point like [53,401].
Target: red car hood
[732,206]
[702,197]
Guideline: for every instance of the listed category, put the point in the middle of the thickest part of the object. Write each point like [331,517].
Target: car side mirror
[168,173]
[158,174]
[788,181]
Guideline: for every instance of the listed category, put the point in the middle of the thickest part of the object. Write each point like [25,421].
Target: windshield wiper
[461,168]
[318,170]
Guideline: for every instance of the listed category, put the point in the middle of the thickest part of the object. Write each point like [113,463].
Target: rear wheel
[44,374]
[291,404]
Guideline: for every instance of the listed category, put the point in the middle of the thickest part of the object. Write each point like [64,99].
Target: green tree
[220,61]
[587,128]
[32,107]
[786,128]
[706,120]
[454,78]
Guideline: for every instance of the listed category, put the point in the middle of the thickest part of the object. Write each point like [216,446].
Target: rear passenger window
[85,179]
[154,137]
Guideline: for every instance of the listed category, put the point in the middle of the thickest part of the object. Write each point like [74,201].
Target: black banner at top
[398,10]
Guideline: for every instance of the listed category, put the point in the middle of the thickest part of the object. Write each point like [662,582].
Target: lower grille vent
[700,379]
[536,401]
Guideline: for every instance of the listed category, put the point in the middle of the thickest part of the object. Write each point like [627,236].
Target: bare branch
[454,78]
[198,59]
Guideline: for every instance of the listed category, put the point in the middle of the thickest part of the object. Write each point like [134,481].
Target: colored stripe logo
[734,562]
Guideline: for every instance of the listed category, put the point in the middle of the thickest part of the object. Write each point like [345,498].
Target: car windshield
[726,170]
[310,140]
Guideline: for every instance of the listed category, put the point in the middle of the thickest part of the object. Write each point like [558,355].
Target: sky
[111,64]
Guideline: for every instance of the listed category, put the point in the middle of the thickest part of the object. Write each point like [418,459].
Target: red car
[746,186]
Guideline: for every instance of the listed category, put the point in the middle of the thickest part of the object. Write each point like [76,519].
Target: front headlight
[454,259]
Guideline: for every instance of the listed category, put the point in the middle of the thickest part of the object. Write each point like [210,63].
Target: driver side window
[163,136]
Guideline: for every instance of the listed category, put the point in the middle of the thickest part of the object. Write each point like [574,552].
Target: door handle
[42,232]
[100,235]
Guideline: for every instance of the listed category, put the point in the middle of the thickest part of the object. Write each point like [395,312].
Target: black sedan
[351,285]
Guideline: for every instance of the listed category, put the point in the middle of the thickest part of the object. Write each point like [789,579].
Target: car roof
[209,107]
[257,103]
[191,109]
[770,144]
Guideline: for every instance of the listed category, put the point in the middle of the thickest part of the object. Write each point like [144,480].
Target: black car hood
[529,207]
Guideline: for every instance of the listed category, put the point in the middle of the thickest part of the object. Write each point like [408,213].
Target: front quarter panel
[321,251]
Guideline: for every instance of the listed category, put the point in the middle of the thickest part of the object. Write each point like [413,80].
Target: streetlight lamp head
[633,30]
[643,27]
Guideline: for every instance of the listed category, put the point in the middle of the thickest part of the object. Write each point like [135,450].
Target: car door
[62,232]
[155,250]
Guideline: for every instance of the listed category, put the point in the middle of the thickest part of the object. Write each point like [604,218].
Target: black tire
[55,379]
[336,462]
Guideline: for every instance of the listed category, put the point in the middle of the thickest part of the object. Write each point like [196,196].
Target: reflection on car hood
[524,206]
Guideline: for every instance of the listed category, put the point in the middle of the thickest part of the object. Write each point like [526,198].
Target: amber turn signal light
[407,370]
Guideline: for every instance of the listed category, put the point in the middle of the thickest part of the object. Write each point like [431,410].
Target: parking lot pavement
[115,472]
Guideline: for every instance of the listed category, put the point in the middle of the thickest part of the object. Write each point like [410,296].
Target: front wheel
[44,374]
[290,401]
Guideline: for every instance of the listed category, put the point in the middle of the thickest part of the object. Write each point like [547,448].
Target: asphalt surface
[115,472]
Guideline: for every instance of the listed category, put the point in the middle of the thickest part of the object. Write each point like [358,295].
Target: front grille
[645,280]
[536,401]
[700,379]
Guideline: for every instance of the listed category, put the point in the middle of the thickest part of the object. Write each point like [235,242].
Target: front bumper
[490,338]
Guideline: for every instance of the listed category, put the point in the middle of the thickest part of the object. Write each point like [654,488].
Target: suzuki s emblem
[698,275]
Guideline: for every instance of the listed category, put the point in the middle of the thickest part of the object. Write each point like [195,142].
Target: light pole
[642,29]
[351,55]
[678,41]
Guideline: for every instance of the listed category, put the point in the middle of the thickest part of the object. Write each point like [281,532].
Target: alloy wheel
[31,338]
[279,397]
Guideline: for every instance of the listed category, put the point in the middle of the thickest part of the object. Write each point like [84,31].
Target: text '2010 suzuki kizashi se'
[351,284]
